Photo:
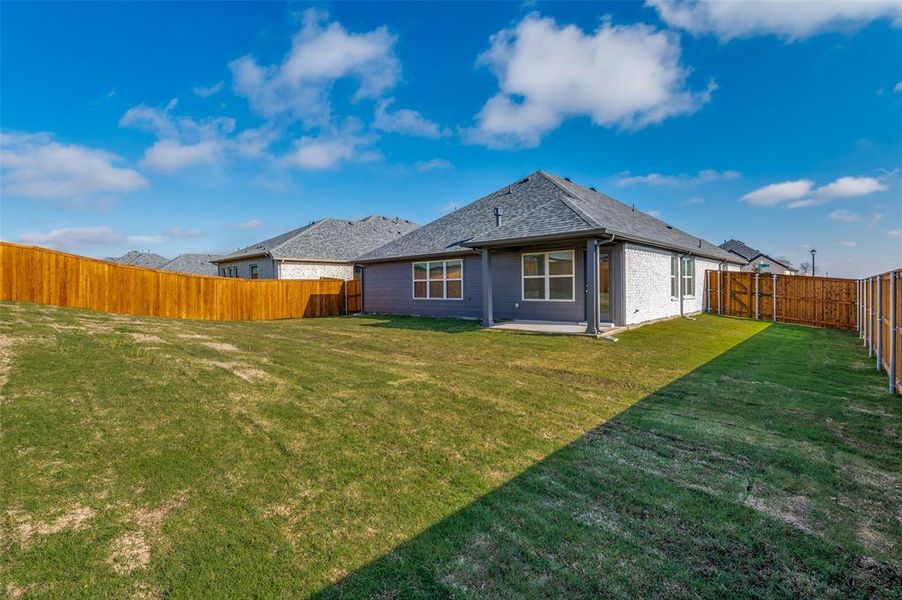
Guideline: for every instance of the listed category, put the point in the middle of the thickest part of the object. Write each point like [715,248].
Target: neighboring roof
[740,248]
[194,264]
[749,254]
[141,259]
[335,240]
[541,206]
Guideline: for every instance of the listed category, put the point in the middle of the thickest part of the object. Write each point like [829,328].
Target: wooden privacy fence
[819,301]
[33,274]
[880,323]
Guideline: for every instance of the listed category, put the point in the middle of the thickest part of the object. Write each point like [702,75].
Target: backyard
[404,457]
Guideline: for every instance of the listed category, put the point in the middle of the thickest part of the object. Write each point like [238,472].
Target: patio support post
[892,332]
[719,292]
[592,299]
[487,317]
[879,322]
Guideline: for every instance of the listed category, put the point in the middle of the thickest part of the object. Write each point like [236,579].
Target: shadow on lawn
[658,501]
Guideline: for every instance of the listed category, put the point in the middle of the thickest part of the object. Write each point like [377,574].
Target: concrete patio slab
[552,327]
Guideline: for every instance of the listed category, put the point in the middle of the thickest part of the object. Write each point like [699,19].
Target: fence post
[879,322]
[774,282]
[892,332]
[870,333]
[756,296]
[858,307]
[344,286]
[719,292]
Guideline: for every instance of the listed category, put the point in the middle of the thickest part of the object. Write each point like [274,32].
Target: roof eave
[234,257]
[535,238]
[404,257]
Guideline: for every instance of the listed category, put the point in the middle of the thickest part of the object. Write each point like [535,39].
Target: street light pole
[813,252]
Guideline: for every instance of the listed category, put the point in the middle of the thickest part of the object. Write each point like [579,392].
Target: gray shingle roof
[542,205]
[743,250]
[749,253]
[140,259]
[329,239]
[194,264]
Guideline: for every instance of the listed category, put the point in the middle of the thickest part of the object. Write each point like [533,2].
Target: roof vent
[568,179]
[498,213]
[699,242]
[670,227]
[634,208]
[592,188]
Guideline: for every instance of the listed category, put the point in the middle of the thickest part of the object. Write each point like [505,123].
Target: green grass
[412,457]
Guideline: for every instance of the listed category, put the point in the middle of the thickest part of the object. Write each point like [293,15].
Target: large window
[254,274]
[549,276]
[438,280]
[687,285]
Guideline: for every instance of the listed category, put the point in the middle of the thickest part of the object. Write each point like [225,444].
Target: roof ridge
[567,198]
[301,231]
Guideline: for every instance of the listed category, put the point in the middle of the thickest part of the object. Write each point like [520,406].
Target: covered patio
[555,327]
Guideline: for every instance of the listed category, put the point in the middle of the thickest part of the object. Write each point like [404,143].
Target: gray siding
[388,288]
[265,267]
[507,291]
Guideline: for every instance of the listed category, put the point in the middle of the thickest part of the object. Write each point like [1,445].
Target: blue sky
[185,127]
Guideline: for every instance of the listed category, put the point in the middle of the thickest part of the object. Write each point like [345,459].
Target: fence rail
[880,323]
[33,274]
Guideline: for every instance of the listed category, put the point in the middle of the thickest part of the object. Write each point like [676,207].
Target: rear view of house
[324,248]
[543,248]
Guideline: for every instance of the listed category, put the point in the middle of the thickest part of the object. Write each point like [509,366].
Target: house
[757,261]
[324,248]
[522,252]
[193,264]
[137,258]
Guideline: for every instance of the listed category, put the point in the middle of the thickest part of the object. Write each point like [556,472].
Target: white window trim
[546,277]
[684,277]
[413,280]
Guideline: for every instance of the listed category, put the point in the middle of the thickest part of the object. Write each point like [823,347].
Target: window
[688,277]
[548,276]
[687,285]
[438,280]
[254,274]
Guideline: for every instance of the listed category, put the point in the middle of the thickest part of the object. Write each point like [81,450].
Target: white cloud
[331,148]
[655,213]
[207,91]
[801,192]
[776,193]
[848,243]
[36,166]
[406,122]
[71,238]
[321,53]
[658,179]
[74,238]
[694,200]
[432,164]
[790,20]
[626,76]
[898,87]
[251,224]
[183,233]
[170,156]
[185,142]
[844,216]
[894,232]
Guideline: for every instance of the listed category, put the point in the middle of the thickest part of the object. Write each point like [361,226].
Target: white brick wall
[311,270]
[647,282]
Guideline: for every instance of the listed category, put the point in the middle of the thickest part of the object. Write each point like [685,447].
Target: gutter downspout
[362,287]
[680,279]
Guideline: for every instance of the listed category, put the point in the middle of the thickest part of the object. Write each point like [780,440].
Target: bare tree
[804,268]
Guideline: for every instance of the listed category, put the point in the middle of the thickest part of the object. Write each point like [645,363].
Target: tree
[804,268]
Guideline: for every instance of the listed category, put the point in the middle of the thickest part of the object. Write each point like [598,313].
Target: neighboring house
[137,258]
[193,264]
[522,253]
[757,261]
[324,248]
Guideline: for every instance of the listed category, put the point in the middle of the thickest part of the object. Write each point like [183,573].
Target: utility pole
[813,252]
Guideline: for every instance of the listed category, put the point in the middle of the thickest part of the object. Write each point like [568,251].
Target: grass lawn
[399,457]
